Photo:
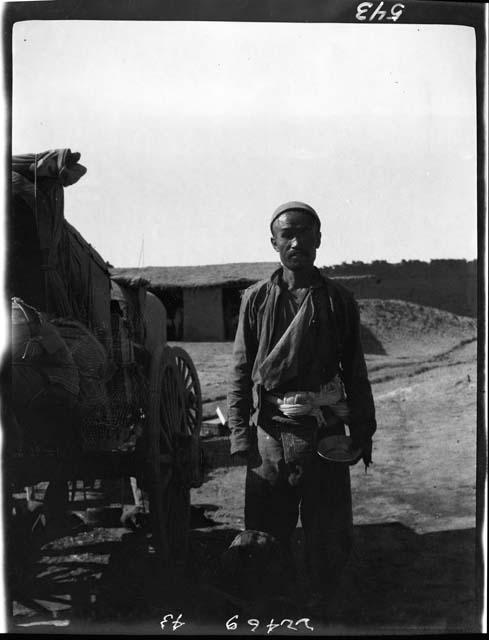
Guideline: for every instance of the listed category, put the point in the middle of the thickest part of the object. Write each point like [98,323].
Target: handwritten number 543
[379,14]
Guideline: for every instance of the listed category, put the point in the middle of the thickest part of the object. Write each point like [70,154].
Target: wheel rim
[168,492]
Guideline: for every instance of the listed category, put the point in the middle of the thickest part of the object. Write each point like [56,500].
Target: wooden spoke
[191,389]
[193,411]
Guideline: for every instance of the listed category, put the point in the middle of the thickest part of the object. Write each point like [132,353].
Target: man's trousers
[322,498]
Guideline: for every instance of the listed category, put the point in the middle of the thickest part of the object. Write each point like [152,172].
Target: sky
[194,132]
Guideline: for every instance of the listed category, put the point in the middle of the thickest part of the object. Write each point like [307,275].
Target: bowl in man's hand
[339,448]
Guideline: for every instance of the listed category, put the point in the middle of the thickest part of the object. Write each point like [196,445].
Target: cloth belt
[309,403]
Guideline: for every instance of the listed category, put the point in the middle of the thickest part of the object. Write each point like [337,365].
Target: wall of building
[203,318]
[457,295]
[450,285]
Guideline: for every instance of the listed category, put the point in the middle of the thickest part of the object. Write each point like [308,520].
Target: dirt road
[413,569]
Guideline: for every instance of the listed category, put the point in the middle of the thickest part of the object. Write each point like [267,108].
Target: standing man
[297,353]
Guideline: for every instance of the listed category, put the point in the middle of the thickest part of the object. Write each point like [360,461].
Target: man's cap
[293,206]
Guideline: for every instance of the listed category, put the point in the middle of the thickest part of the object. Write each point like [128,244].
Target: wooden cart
[165,455]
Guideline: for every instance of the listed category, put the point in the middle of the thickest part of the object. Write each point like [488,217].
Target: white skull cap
[292,206]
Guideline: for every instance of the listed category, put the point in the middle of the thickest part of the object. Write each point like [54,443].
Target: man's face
[296,237]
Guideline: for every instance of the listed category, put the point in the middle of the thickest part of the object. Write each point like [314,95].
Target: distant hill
[404,268]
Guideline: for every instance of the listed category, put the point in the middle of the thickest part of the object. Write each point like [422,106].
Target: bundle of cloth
[59,372]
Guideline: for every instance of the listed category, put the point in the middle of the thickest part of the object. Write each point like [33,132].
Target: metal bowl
[338,449]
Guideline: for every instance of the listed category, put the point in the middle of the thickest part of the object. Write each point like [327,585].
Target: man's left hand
[367,453]
[360,441]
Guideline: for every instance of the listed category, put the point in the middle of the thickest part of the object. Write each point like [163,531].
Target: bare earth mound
[395,327]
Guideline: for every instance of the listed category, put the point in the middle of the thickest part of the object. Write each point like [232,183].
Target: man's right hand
[240,458]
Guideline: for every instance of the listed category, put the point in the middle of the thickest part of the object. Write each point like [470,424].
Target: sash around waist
[329,394]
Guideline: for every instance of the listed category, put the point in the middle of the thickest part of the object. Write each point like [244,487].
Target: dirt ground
[413,568]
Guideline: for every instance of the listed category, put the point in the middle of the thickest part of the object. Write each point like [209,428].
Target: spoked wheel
[168,453]
[193,410]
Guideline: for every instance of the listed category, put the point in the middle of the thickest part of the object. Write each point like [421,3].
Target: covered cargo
[52,267]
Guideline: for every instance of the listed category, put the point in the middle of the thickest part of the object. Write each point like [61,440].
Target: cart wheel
[168,445]
[193,411]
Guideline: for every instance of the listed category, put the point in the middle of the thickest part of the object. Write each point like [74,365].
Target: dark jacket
[253,341]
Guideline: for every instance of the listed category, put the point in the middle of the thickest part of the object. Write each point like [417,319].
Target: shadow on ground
[104,580]
[403,582]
